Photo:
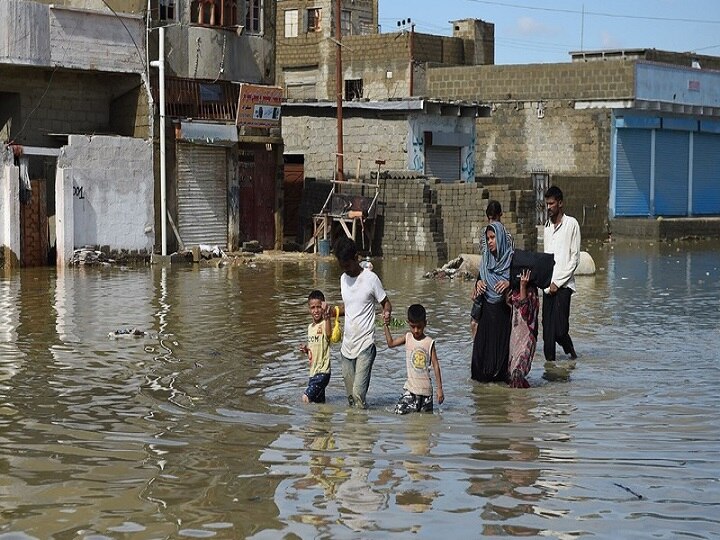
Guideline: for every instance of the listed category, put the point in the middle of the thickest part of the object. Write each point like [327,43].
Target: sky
[540,31]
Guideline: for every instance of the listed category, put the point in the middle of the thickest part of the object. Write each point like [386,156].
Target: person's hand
[326,310]
[480,288]
[525,276]
[440,396]
[304,349]
[553,288]
[387,317]
[502,286]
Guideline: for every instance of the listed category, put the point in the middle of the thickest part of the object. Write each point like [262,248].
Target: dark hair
[493,210]
[345,249]
[316,295]
[416,314]
[554,192]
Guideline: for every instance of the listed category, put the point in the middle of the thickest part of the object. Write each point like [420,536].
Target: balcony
[199,100]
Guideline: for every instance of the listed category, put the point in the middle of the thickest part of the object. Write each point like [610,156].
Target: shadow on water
[196,430]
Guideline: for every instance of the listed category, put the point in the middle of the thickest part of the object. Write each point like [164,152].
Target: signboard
[259,106]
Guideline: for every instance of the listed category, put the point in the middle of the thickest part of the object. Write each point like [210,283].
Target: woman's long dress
[491,347]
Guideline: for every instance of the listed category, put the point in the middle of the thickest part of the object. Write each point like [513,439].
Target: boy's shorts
[410,402]
[316,387]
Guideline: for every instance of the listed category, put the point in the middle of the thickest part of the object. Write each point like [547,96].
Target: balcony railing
[199,100]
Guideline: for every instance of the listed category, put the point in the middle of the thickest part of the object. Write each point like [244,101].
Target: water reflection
[196,430]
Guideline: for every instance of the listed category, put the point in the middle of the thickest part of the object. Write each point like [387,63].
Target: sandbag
[540,265]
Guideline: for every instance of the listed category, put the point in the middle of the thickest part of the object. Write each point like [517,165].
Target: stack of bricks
[411,223]
[421,218]
[463,212]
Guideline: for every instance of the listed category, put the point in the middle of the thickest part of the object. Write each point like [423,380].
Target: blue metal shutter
[632,172]
[706,174]
[672,157]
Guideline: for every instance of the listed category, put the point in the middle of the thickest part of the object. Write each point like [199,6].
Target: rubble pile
[456,268]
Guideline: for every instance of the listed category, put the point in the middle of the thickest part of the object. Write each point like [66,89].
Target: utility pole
[411,49]
[339,88]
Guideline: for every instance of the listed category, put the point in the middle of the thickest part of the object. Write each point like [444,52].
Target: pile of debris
[90,257]
[464,267]
[104,256]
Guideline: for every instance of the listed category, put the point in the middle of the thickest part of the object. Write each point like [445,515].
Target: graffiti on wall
[467,170]
[416,150]
[78,192]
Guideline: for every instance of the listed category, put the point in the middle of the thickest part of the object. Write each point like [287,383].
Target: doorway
[38,240]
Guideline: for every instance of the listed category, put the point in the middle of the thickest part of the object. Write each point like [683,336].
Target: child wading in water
[317,349]
[524,331]
[419,356]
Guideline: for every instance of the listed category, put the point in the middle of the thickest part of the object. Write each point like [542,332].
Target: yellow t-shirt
[318,343]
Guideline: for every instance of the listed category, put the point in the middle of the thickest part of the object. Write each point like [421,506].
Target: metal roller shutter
[443,162]
[632,172]
[706,174]
[672,150]
[202,194]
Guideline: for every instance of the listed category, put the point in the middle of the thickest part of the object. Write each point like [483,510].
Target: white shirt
[360,294]
[563,242]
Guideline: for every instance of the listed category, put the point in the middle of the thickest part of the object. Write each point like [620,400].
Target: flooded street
[197,431]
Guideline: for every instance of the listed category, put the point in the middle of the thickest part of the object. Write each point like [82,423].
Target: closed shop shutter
[706,174]
[202,194]
[671,172]
[632,174]
[443,162]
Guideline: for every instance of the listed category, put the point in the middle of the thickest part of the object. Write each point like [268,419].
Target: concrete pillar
[64,217]
[10,215]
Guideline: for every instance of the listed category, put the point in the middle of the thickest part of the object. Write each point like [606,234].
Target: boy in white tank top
[420,355]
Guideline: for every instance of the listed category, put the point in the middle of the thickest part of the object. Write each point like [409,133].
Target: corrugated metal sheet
[672,150]
[706,175]
[443,162]
[632,172]
[202,195]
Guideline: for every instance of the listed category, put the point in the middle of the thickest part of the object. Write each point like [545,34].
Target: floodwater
[197,431]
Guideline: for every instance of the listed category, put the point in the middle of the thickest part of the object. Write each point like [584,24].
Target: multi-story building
[375,66]
[223,141]
[75,128]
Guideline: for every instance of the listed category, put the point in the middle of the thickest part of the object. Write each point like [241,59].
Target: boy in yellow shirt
[317,349]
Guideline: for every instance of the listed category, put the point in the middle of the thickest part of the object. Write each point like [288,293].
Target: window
[313,19]
[346,22]
[167,10]
[353,89]
[291,23]
[253,17]
[221,13]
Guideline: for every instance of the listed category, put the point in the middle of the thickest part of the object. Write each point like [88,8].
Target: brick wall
[69,102]
[569,81]
[316,138]
[515,142]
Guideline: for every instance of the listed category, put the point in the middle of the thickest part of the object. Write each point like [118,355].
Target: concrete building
[224,150]
[626,134]
[75,129]
[375,66]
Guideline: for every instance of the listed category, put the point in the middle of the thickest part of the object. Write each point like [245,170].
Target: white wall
[9,204]
[51,35]
[112,191]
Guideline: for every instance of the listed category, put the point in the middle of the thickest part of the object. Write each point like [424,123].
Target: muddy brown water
[197,430]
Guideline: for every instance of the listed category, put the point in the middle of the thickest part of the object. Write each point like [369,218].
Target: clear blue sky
[534,31]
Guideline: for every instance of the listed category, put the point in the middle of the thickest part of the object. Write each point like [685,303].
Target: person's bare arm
[392,342]
[438,376]
[387,309]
